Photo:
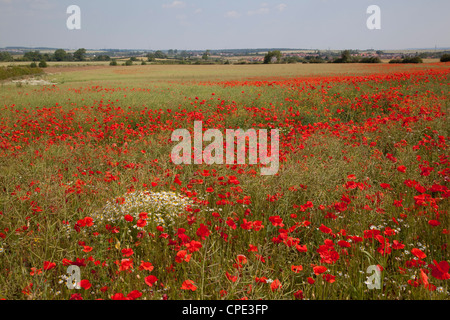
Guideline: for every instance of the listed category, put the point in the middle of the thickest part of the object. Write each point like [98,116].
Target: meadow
[87,180]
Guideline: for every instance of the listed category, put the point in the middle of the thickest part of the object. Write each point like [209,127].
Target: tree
[206,55]
[445,58]
[80,54]
[184,54]
[6,56]
[32,56]
[43,64]
[60,55]
[346,57]
[160,55]
[413,60]
[272,57]
[370,60]
[102,57]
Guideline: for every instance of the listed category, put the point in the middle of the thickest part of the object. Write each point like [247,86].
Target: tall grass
[18,71]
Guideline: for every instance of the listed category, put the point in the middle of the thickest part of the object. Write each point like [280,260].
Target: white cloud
[232,15]
[174,5]
[183,20]
[263,10]
[199,10]
[281,7]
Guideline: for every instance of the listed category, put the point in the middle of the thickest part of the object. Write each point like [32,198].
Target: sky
[225,24]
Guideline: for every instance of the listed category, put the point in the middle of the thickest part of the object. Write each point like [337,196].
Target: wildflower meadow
[93,207]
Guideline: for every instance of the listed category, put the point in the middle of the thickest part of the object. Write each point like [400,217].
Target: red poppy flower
[118,296]
[146,266]
[434,223]
[188,285]
[298,295]
[344,244]
[230,277]
[329,278]
[440,270]
[177,180]
[141,223]
[143,215]
[275,285]
[127,252]
[49,265]
[397,245]
[261,280]
[133,295]
[193,246]
[230,222]
[401,169]
[325,229]
[129,218]
[385,186]
[296,269]
[418,253]
[241,259]
[276,221]
[246,225]
[76,296]
[203,231]
[126,264]
[85,284]
[257,225]
[150,280]
[319,270]
[182,255]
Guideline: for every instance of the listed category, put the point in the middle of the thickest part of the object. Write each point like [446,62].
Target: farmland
[87,180]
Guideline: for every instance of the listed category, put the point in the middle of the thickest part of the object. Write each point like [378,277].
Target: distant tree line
[416,59]
[58,55]
[347,57]
[174,56]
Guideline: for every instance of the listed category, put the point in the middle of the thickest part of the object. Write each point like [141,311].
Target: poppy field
[87,180]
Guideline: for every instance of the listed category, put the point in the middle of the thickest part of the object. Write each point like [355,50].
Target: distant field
[93,71]
[137,75]
[59,64]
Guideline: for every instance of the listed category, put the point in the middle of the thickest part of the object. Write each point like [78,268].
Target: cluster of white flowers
[162,207]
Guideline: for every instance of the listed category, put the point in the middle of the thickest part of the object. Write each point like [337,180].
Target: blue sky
[225,24]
